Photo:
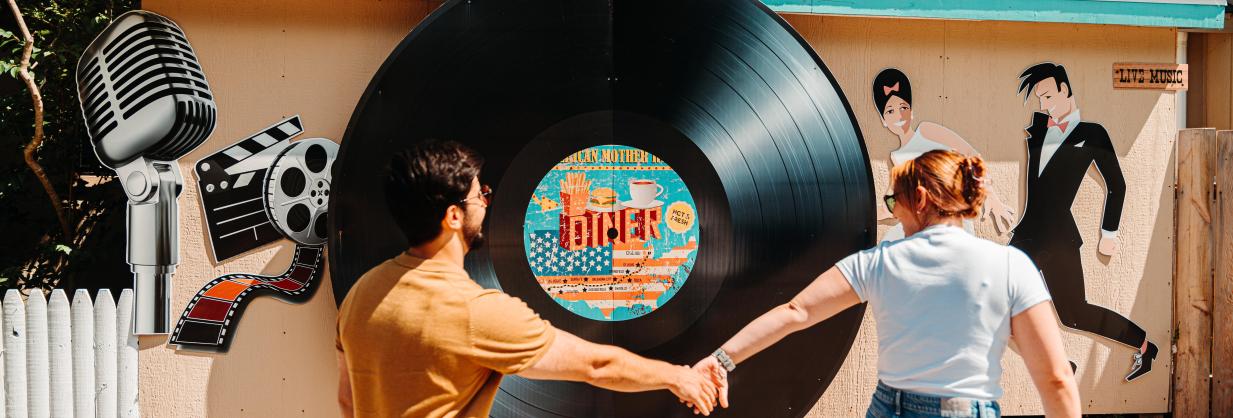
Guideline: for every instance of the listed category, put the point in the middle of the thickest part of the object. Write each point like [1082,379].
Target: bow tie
[1061,125]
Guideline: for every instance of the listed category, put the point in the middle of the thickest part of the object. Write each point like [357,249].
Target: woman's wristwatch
[724,360]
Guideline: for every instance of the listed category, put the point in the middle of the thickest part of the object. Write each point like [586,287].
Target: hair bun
[973,173]
[954,182]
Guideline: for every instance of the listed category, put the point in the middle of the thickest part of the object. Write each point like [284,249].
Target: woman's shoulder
[986,248]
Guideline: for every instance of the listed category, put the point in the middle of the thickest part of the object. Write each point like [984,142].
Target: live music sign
[1150,76]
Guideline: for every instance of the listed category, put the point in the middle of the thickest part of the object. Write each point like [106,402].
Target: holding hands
[710,367]
[699,389]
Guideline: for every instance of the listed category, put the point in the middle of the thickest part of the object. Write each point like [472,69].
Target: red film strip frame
[208,322]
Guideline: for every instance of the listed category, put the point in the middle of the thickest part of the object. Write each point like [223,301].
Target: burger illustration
[604,199]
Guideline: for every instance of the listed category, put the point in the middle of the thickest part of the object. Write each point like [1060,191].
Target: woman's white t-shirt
[943,300]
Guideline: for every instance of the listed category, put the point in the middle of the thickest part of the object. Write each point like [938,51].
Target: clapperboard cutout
[255,192]
[231,182]
[208,323]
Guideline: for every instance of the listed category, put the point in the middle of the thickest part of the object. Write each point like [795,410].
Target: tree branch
[37,99]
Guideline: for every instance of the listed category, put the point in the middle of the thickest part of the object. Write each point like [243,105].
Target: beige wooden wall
[270,59]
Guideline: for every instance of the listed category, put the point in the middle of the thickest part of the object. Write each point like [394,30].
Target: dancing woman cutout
[892,94]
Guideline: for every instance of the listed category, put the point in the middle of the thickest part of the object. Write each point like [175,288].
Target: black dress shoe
[1143,362]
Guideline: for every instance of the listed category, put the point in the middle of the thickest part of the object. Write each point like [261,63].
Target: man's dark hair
[426,179]
[889,79]
[1040,72]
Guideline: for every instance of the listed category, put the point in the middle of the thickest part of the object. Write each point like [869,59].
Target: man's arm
[508,337]
[344,387]
[1106,162]
[614,368]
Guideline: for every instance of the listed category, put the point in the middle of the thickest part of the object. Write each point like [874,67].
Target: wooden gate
[1203,287]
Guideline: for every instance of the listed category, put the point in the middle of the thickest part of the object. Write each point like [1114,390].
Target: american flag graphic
[547,258]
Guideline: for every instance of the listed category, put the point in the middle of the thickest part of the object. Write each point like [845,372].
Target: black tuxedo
[1047,231]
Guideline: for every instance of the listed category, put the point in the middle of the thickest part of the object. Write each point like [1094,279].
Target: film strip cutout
[257,191]
[208,322]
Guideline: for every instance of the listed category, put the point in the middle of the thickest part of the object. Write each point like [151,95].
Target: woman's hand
[1003,216]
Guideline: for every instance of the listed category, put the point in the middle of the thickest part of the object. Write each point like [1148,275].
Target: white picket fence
[68,360]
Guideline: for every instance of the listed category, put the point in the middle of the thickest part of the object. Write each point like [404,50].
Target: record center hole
[612,233]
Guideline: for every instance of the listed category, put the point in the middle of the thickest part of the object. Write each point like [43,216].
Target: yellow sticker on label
[680,217]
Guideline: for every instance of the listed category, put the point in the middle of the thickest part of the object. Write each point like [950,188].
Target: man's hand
[1108,245]
[710,367]
[695,389]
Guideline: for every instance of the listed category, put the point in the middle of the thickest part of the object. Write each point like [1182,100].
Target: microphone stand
[153,239]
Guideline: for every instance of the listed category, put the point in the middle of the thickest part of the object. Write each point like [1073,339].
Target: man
[1061,147]
[418,338]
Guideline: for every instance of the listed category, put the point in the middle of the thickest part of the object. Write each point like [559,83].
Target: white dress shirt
[1054,138]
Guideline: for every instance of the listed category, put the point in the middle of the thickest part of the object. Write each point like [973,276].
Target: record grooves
[723,91]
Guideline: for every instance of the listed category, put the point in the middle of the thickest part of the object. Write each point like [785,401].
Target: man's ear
[453,218]
[1063,89]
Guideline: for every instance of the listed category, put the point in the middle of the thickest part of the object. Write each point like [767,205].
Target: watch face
[611,233]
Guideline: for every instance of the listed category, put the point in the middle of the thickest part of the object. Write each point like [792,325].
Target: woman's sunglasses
[889,200]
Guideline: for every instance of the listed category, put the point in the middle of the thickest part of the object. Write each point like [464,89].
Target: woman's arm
[1036,333]
[829,294]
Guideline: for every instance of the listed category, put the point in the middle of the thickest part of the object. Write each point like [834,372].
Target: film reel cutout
[297,190]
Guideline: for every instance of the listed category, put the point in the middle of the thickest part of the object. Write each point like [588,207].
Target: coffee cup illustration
[643,192]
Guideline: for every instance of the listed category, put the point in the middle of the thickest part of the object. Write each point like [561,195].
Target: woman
[946,304]
[892,94]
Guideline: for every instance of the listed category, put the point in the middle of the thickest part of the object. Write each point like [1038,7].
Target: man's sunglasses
[485,196]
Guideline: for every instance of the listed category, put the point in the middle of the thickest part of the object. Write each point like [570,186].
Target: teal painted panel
[1206,16]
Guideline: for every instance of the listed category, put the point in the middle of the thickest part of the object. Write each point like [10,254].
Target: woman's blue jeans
[889,402]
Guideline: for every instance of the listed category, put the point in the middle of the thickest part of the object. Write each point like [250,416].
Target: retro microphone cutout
[146,103]
[255,192]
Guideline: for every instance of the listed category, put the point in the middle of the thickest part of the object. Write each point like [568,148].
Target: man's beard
[474,236]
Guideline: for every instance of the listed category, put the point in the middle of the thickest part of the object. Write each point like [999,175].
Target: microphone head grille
[143,92]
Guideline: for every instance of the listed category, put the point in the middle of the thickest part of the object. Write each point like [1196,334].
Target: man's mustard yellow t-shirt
[422,339]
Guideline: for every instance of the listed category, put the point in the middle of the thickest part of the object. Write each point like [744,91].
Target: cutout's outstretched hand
[1003,216]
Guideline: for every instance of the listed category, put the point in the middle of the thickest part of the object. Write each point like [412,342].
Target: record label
[611,233]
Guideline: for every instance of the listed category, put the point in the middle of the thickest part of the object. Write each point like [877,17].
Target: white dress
[915,147]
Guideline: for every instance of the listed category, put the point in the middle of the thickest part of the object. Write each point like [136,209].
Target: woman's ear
[919,202]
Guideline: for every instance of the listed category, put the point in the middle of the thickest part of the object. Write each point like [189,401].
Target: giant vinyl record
[698,150]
